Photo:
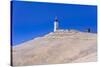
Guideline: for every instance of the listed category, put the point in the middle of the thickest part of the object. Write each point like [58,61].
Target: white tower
[56,24]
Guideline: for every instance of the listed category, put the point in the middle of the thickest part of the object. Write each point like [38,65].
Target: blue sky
[33,19]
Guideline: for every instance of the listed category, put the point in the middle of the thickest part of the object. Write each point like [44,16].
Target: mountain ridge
[62,46]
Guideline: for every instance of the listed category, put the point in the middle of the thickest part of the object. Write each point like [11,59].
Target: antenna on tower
[56,18]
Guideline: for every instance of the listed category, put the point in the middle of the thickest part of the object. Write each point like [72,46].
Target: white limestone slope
[57,47]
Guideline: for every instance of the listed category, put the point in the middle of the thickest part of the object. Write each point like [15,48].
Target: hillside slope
[62,46]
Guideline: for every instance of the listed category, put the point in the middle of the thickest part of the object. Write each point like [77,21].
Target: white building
[56,24]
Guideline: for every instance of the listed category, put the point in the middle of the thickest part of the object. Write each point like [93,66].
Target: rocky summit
[61,46]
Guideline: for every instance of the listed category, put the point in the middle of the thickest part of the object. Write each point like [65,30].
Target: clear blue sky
[33,19]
